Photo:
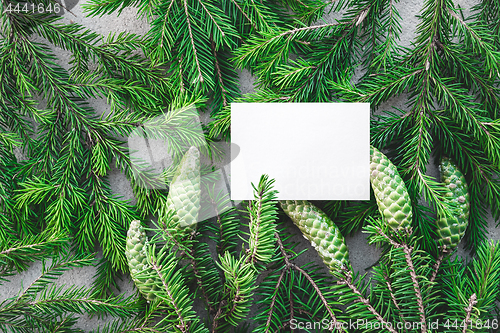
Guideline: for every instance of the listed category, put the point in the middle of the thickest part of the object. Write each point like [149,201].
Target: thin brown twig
[347,280]
[63,6]
[407,250]
[303,4]
[283,325]
[184,327]
[173,239]
[212,18]
[303,42]
[200,283]
[244,14]
[61,264]
[302,311]
[181,72]
[439,260]
[217,316]
[293,31]
[468,311]
[291,310]
[219,223]
[366,97]
[413,275]
[393,297]
[8,251]
[334,323]
[273,300]
[389,239]
[222,304]
[236,298]
[358,19]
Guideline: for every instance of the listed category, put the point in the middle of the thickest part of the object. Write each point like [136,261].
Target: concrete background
[362,255]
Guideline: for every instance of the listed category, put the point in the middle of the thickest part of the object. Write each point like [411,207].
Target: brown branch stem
[183,326]
[468,311]
[439,260]
[413,275]
[273,300]
[334,323]
[393,297]
[347,280]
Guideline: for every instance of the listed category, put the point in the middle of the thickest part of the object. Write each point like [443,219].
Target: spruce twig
[408,253]
[393,298]
[273,300]
[289,264]
[347,280]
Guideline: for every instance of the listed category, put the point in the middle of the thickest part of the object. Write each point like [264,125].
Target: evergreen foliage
[43,305]
[61,185]
[449,77]
[56,154]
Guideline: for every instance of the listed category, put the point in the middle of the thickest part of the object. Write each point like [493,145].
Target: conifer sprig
[62,184]
[292,293]
[195,39]
[450,76]
[407,278]
[262,215]
[240,276]
[16,255]
[171,291]
[44,306]
[61,192]
[473,286]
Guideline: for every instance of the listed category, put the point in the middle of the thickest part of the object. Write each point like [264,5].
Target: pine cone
[390,191]
[135,251]
[184,193]
[320,230]
[451,230]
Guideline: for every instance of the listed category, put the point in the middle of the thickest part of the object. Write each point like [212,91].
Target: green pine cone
[135,251]
[390,191]
[184,193]
[451,230]
[320,230]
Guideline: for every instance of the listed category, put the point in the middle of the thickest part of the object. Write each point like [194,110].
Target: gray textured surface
[361,254]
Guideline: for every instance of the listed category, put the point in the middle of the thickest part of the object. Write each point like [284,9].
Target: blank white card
[314,151]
